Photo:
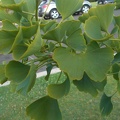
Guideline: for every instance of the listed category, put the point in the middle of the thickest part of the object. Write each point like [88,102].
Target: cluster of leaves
[85,50]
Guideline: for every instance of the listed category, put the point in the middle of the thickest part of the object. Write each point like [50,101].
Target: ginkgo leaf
[46,26]
[26,84]
[14,17]
[35,44]
[106,105]
[64,29]
[68,7]
[6,41]
[117,20]
[89,86]
[101,11]
[93,29]
[19,68]
[11,5]
[45,108]
[7,25]
[59,90]
[76,41]
[95,62]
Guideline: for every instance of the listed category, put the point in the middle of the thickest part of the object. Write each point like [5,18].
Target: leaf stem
[36,14]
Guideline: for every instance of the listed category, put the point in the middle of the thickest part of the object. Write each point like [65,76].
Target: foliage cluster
[85,50]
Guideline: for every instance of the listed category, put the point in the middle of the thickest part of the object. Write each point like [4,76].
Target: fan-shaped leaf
[89,86]
[59,90]
[64,29]
[68,7]
[26,85]
[45,108]
[35,45]
[7,25]
[101,11]
[13,17]
[93,29]
[76,41]
[95,62]
[6,40]
[19,68]
[106,105]
[12,5]
[117,20]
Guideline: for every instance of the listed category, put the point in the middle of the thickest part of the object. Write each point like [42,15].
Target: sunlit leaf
[106,105]
[45,108]
[59,90]
[89,86]
[95,62]
[93,29]
[101,11]
[64,7]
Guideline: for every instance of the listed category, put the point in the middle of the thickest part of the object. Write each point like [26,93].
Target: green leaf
[47,26]
[16,71]
[106,105]
[45,108]
[117,20]
[35,44]
[12,5]
[13,17]
[24,44]
[93,29]
[26,85]
[115,71]
[95,62]
[101,11]
[116,58]
[59,90]
[7,25]
[6,41]
[48,69]
[115,30]
[76,41]
[3,77]
[62,30]
[84,17]
[89,86]
[64,7]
